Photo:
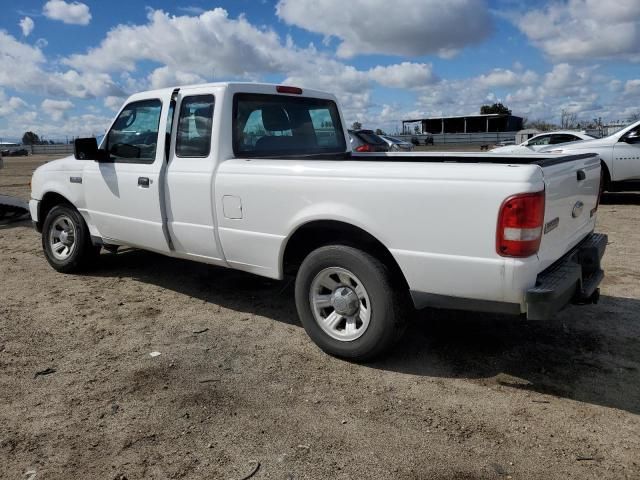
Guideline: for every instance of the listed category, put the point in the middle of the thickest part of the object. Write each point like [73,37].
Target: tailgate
[572,186]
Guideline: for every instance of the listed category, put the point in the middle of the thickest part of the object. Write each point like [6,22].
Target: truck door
[189,180]
[626,157]
[123,193]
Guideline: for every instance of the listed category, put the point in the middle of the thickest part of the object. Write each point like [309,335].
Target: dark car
[367,141]
[23,152]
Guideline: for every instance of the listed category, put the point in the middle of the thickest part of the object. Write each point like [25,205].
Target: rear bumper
[573,279]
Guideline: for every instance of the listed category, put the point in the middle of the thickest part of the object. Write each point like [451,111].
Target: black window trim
[213,113]
[134,160]
[325,153]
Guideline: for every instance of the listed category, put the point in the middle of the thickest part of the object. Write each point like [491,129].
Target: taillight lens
[364,148]
[520,224]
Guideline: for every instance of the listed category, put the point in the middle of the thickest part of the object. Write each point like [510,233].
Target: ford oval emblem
[577,209]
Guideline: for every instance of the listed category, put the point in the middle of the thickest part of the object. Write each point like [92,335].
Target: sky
[67,67]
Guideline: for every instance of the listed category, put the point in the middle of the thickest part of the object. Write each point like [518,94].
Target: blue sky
[65,67]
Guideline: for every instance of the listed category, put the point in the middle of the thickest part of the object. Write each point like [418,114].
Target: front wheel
[66,241]
[349,302]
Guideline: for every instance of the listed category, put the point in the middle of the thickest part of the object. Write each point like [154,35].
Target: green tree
[30,138]
[495,108]
[356,126]
[379,132]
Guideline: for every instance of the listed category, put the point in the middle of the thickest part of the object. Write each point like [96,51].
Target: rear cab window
[272,125]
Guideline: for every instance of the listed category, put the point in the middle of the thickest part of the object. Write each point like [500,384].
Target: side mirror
[87,149]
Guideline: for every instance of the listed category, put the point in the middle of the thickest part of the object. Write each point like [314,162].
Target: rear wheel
[348,302]
[66,241]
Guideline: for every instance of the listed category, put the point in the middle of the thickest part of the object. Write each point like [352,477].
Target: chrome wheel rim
[62,237]
[340,304]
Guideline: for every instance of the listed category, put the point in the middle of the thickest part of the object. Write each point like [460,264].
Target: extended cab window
[134,135]
[267,125]
[194,126]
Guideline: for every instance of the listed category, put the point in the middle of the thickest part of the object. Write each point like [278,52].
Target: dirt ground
[237,381]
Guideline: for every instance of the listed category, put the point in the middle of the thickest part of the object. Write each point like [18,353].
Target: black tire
[388,303]
[83,254]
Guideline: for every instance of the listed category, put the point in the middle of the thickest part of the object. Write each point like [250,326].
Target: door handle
[143,182]
[581,175]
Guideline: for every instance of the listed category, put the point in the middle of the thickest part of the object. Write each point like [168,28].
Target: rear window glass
[267,125]
[371,138]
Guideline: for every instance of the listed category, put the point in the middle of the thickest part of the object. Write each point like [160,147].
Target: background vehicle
[543,140]
[395,144]
[21,152]
[367,141]
[620,154]
[261,178]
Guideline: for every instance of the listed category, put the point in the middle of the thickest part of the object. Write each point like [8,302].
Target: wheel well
[49,200]
[316,234]
[606,176]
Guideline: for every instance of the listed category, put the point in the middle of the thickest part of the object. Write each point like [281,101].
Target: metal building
[487,123]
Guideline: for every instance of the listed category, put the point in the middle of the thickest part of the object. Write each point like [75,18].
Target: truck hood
[583,145]
[62,164]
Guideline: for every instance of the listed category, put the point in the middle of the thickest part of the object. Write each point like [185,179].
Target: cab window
[194,126]
[133,138]
[543,140]
[564,138]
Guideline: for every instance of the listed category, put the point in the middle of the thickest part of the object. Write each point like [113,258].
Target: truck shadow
[589,354]
[621,198]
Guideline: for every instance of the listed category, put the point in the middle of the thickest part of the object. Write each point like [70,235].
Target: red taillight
[364,148]
[287,89]
[520,224]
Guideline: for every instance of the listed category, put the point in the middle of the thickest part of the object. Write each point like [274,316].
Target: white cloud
[164,77]
[584,29]
[74,13]
[499,77]
[404,75]
[26,25]
[403,27]
[632,87]
[113,103]
[211,44]
[10,105]
[56,109]
[32,75]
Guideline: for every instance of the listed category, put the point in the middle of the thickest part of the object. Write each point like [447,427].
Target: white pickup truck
[260,178]
[620,154]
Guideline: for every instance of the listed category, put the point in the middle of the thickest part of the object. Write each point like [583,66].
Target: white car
[537,143]
[261,178]
[397,145]
[620,154]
